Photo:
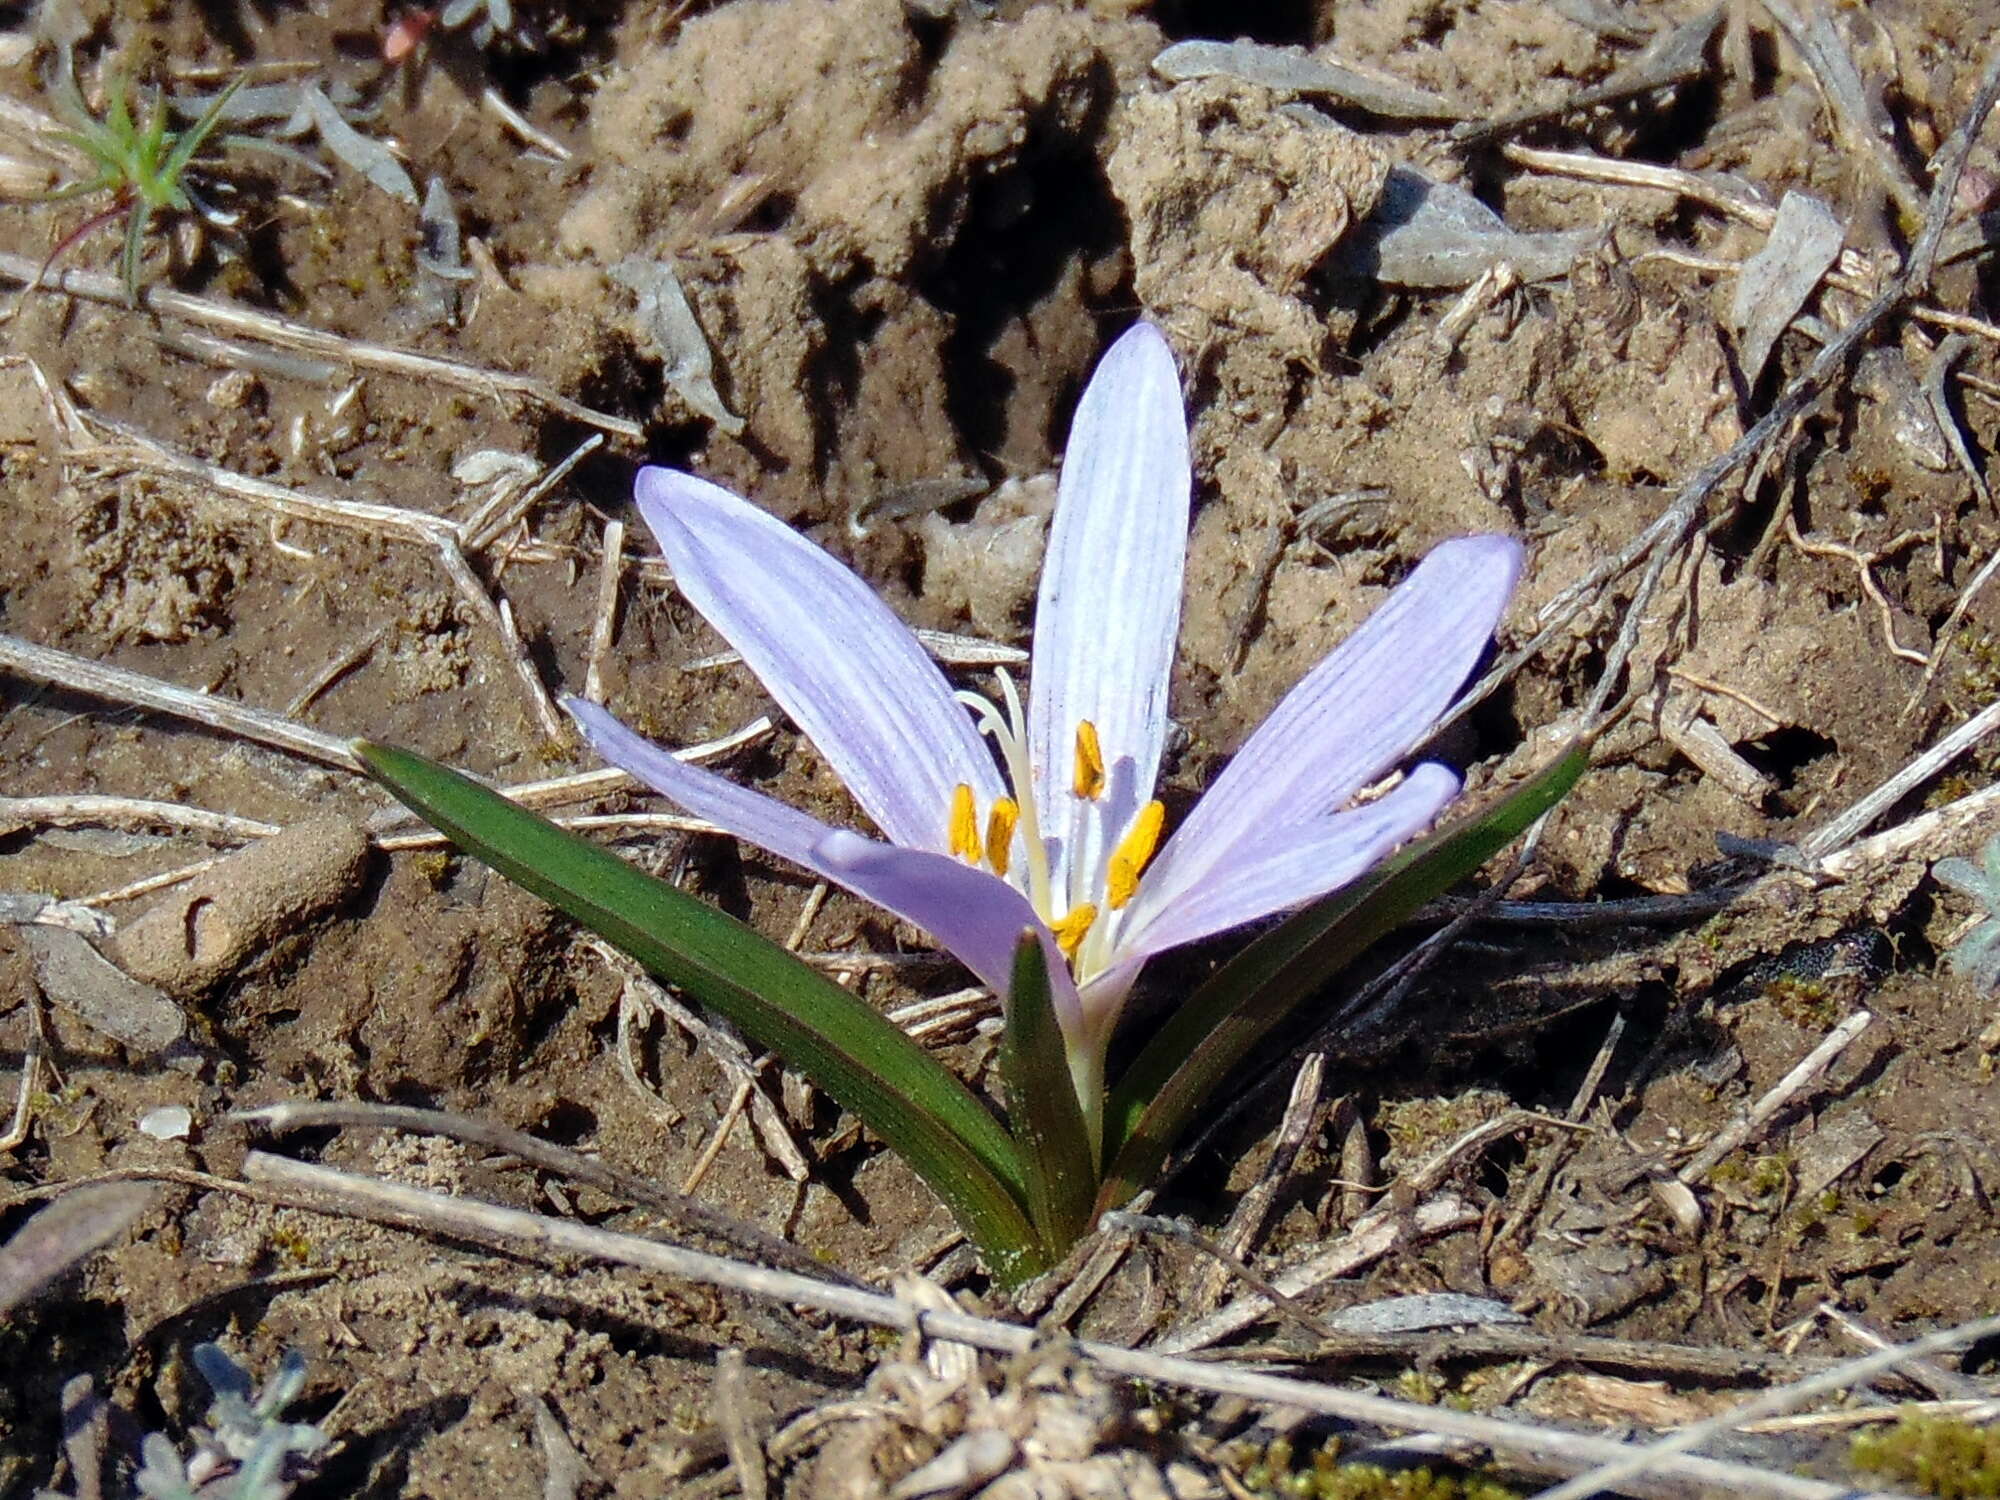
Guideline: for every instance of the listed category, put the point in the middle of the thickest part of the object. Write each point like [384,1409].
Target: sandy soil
[907,237]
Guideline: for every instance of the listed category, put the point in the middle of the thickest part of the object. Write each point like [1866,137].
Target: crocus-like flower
[1059,833]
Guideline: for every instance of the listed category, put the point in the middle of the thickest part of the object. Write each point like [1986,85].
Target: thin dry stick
[1808,1072]
[1945,631]
[1065,1299]
[499,618]
[1541,1450]
[137,451]
[1927,830]
[31,1078]
[127,812]
[1841,830]
[772,1130]
[484,527]
[1236,1266]
[150,883]
[230,355]
[1495,1343]
[491,100]
[586,786]
[1247,1220]
[943,645]
[1723,690]
[1373,1236]
[732,1404]
[1945,1384]
[231,318]
[623,823]
[604,620]
[1864,564]
[1975,1413]
[1631,1469]
[945,1016]
[352,657]
[81,675]
[738,1102]
[687,1213]
[1559,1151]
[747,1084]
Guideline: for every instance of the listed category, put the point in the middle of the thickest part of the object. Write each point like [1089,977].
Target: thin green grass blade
[1042,1105]
[902,1093]
[151,149]
[132,258]
[118,114]
[1187,1060]
[191,140]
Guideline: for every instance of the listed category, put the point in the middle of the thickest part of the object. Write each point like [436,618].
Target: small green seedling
[143,166]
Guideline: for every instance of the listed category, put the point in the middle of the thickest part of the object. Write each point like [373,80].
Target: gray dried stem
[1750,1125]
[79,674]
[501,385]
[1536,1449]
[677,1208]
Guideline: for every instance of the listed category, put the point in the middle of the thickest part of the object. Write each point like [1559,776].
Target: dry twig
[1802,1077]
[80,675]
[247,322]
[678,1209]
[1537,1449]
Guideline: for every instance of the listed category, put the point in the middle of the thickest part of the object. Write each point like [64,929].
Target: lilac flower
[1062,836]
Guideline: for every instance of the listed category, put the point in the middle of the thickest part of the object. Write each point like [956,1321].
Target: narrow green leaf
[190,140]
[903,1094]
[1042,1105]
[1188,1058]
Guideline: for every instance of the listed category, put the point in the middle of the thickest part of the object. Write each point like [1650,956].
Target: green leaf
[1042,1105]
[903,1094]
[191,140]
[1188,1058]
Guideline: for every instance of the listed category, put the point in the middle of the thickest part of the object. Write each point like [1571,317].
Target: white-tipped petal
[1109,607]
[849,673]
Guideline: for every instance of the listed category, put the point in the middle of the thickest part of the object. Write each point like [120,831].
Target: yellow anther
[1134,851]
[964,830]
[1073,929]
[1000,832]
[1089,762]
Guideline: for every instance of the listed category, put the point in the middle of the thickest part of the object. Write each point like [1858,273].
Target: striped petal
[1353,717]
[975,916]
[848,672]
[1274,875]
[1110,601]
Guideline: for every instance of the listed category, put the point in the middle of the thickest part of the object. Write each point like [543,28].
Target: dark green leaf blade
[1042,1105]
[902,1093]
[1187,1059]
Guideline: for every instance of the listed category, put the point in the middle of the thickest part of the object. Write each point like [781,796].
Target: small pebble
[232,390]
[170,1122]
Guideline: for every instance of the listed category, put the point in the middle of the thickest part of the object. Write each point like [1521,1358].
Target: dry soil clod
[222,919]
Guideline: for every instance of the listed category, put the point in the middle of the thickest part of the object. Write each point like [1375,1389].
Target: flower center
[1068,896]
